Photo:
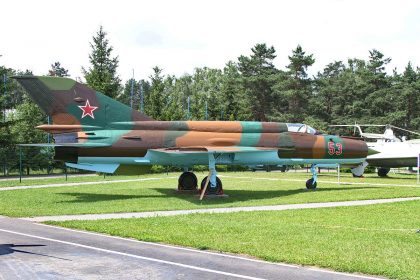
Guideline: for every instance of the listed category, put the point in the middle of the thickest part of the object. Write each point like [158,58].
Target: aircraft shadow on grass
[245,195]
[6,249]
[96,197]
[234,195]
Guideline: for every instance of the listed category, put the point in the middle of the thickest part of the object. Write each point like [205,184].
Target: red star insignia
[88,110]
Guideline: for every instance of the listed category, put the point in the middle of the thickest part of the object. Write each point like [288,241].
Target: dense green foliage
[57,70]
[20,116]
[252,88]
[102,74]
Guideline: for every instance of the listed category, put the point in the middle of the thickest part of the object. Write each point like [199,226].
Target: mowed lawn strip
[75,179]
[155,195]
[368,178]
[376,239]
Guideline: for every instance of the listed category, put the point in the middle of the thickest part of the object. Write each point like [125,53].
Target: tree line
[248,88]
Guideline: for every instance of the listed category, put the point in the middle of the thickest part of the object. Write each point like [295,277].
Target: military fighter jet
[94,132]
[393,152]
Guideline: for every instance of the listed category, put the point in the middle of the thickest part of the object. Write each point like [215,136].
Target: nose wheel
[312,183]
[383,172]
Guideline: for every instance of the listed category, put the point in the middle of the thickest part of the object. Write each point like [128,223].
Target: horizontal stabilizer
[62,128]
[99,167]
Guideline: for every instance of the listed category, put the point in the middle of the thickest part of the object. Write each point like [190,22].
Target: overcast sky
[181,35]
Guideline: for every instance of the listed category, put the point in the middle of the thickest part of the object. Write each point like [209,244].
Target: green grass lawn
[375,239]
[243,188]
[70,179]
[397,178]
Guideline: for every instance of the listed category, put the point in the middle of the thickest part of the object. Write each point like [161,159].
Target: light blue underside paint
[97,167]
[99,164]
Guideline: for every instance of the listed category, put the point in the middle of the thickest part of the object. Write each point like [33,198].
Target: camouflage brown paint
[129,133]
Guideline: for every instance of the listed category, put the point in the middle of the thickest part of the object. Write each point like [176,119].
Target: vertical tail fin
[70,103]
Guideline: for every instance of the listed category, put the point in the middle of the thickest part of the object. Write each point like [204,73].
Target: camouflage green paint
[58,83]
[251,133]
[116,130]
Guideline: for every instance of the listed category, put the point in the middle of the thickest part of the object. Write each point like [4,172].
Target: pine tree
[379,94]
[58,71]
[155,99]
[258,74]
[235,106]
[102,74]
[295,86]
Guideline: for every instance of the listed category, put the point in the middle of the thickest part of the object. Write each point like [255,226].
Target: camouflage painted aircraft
[94,132]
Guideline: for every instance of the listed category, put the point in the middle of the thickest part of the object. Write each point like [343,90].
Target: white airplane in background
[393,151]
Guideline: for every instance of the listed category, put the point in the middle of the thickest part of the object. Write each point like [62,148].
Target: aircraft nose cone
[372,152]
[355,148]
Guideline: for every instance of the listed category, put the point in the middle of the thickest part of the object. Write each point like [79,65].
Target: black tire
[187,182]
[382,172]
[310,185]
[217,190]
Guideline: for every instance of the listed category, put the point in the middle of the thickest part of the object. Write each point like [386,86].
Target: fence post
[20,164]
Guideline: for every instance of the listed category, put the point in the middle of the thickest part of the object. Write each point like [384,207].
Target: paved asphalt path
[34,251]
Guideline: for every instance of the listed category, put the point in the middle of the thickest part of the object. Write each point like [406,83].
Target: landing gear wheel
[310,185]
[187,182]
[382,172]
[218,190]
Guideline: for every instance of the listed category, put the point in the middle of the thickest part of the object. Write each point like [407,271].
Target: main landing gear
[312,183]
[210,185]
[383,172]
[187,182]
[211,189]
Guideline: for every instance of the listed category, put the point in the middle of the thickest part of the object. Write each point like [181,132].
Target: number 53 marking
[335,148]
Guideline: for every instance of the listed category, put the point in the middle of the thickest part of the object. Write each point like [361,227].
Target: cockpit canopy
[301,127]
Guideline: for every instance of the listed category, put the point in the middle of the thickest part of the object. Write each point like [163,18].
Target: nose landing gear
[311,183]
[383,172]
